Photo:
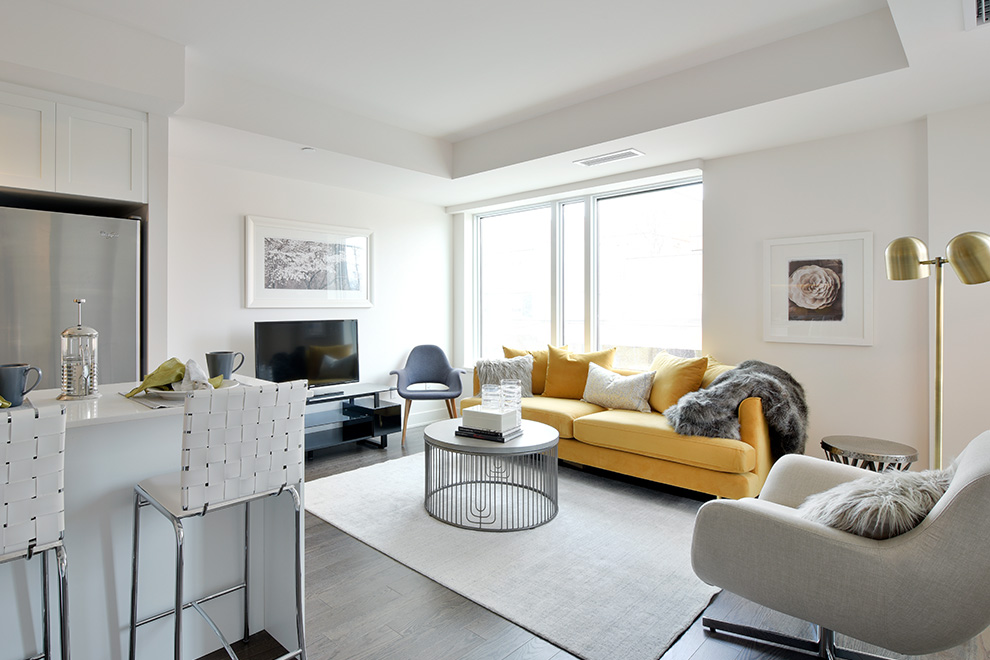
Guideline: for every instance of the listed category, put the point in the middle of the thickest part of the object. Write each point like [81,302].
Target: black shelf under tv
[348,413]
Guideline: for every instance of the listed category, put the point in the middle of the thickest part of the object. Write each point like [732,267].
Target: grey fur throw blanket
[713,411]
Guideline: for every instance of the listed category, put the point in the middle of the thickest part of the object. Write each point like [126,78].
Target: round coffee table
[870,453]
[491,486]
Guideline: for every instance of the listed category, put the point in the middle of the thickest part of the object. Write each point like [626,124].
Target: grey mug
[13,377]
[222,362]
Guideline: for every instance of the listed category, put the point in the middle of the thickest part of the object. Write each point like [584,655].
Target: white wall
[411,266]
[874,181]
[958,144]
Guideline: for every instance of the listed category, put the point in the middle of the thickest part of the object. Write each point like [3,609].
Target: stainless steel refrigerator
[49,259]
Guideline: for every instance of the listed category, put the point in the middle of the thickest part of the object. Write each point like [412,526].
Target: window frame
[591,265]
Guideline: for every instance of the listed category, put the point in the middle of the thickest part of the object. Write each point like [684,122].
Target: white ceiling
[476,100]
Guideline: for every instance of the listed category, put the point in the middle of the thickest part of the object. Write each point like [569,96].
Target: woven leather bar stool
[32,457]
[239,444]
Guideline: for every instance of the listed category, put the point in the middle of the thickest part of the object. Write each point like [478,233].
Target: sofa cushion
[567,373]
[714,370]
[611,390]
[558,413]
[493,372]
[675,377]
[540,360]
[649,434]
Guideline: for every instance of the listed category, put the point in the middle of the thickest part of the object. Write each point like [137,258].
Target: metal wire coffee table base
[491,492]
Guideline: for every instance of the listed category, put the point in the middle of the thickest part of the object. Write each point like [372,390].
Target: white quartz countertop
[112,406]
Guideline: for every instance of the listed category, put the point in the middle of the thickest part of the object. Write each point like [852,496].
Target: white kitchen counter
[111,444]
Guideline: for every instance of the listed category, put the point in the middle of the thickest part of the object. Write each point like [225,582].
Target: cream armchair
[921,592]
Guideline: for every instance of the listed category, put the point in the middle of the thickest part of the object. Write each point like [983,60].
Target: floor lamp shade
[969,255]
[906,259]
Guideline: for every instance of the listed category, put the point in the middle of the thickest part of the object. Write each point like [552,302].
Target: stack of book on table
[493,424]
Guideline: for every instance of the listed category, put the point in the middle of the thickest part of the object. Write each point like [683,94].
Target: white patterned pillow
[491,372]
[611,390]
[880,505]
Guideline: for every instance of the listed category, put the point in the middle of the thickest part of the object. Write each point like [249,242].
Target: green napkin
[168,372]
[6,404]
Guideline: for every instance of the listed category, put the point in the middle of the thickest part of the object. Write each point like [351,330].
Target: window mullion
[590,274]
[556,276]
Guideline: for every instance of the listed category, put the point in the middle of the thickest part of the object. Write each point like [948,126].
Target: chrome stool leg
[179,567]
[300,623]
[134,575]
[46,628]
[247,568]
[62,564]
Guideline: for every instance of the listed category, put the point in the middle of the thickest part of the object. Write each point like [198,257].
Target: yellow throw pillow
[675,377]
[567,373]
[540,360]
[714,370]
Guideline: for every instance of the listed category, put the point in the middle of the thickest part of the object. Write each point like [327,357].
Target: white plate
[172,395]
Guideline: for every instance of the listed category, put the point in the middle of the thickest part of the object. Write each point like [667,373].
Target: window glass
[649,274]
[515,281]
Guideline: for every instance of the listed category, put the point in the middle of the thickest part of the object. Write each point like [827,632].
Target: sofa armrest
[753,431]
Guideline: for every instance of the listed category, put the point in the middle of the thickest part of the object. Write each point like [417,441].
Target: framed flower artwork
[819,289]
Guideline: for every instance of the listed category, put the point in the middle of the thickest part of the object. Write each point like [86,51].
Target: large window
[515,286]
[635,285]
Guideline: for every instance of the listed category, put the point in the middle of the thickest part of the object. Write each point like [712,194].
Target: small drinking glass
[511,394]
[491,396]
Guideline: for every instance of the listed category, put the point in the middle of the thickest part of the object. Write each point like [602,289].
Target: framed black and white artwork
[303,264]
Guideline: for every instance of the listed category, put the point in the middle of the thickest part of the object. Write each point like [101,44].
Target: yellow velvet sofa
[643,444]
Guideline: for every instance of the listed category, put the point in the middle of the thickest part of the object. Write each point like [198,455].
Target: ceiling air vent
[975,13]
[612,157]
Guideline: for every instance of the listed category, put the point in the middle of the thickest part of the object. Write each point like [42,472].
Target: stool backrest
[32,458]
[241,441]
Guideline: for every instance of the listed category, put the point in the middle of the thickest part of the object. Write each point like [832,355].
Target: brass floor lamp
[907,259]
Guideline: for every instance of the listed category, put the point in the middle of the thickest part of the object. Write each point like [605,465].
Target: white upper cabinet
[55,146]
[27,142]
[100,154]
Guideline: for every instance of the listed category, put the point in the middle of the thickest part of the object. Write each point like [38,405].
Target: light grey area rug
[609,577]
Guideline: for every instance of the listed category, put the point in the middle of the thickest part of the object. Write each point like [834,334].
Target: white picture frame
[819,289]
[303,264]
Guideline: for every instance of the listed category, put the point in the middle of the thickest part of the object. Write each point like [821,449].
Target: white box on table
[491,419]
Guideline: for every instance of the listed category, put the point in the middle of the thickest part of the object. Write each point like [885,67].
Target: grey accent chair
[923,591]
[427,376]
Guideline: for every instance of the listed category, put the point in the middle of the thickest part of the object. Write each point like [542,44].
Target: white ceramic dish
[172,395]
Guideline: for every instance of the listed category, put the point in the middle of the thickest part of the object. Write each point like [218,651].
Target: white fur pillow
[880,505]
[611,390]
[491,372]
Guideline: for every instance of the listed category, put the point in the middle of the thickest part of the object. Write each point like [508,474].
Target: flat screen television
[324,352]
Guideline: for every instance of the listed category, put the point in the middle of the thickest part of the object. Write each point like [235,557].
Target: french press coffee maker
[79,373]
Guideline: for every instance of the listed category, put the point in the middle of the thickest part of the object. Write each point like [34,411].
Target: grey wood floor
[361,604]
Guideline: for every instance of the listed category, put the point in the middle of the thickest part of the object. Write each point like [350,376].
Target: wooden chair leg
[451,410]
[405,421]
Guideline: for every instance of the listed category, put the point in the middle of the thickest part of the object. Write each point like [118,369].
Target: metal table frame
[869,453]
[491,486]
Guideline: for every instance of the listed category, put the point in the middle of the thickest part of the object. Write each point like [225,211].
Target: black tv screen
[324,352]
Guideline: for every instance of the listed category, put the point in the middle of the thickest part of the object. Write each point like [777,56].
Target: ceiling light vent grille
[612,157]
[982,9]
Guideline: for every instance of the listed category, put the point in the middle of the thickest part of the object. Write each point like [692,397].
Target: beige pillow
[714,370]
[608,389]
[567,373]
[540,359]
[675,377]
